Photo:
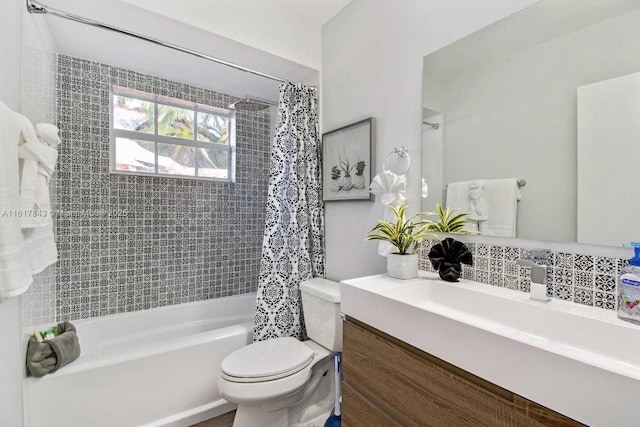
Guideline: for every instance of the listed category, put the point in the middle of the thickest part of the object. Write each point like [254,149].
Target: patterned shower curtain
[293,242]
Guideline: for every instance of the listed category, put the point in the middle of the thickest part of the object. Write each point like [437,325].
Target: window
[157,135]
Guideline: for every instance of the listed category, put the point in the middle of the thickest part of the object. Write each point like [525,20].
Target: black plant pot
[448,256]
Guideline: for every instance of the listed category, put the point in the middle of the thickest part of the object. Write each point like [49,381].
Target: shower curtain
[293,241]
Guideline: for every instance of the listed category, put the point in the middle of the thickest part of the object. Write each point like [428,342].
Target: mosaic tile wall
[130,242]
[584,279]
[38,103]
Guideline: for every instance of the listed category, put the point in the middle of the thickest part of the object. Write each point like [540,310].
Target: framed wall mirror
[549,96]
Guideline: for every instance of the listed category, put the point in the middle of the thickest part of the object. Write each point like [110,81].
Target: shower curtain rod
[36,7]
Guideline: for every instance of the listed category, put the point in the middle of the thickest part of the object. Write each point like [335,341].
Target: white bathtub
[148,368]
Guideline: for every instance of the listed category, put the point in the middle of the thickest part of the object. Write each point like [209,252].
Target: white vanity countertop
[580,361]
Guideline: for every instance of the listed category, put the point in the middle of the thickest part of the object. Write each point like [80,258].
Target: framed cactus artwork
[347,161]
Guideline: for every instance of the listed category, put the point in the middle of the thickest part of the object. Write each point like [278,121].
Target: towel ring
[401,152]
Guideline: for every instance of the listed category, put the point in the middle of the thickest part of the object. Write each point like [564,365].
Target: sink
[580,361]
[586,333]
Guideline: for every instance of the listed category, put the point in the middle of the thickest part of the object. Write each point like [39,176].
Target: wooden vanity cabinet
[387,382]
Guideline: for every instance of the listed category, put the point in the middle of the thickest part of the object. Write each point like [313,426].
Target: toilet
[284,382]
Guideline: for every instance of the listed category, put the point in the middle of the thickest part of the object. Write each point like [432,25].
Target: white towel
[502,197]
[27,242]
[15,273]
[37,227]
[48,134]
[40,244]
[458,200]
[37,163]
[390,188]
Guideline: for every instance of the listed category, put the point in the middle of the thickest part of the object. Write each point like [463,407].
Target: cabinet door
[416,389]
[357,411]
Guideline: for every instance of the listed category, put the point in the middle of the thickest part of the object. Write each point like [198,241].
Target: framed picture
[347,166]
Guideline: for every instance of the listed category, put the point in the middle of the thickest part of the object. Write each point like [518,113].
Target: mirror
[539,97]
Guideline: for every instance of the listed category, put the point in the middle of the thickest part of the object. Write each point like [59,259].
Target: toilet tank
[321,305]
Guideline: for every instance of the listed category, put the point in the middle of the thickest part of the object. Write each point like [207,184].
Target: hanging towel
[38,157]
[458,200]
[37,163]
[15,273]
[28,169]
[390,188]
[27,242]
[502,197]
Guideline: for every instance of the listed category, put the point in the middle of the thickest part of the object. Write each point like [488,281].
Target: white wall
[11,364]
[265,25]
[372,66]
[9,52]
[123,51]
[11,361]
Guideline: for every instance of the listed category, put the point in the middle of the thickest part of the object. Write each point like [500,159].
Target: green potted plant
[448,221]
[358,181]
[406,235]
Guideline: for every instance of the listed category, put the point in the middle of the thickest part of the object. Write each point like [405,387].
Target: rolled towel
[48,356]
[48,134]
[447,257]
[390,188]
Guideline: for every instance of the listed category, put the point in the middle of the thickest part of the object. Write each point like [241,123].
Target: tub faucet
[538,264]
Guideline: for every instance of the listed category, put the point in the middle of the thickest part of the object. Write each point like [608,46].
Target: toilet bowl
[284,382]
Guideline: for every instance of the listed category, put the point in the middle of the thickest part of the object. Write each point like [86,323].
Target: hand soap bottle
[629,288]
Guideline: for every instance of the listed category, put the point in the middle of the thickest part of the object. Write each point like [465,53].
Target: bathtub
[148,368]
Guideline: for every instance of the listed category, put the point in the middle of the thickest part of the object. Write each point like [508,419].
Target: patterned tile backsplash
[132,242]
[584,279]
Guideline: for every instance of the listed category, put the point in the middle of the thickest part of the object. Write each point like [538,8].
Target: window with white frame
[157,135]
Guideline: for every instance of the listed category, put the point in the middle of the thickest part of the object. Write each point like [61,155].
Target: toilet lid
[267,360]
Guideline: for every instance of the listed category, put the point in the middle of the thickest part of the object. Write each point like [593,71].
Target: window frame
[156,138]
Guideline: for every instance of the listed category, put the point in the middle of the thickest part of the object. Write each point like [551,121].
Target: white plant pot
[402,266]
[358,182]
[346,184]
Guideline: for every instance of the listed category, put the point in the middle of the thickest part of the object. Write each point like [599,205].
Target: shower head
[248,104]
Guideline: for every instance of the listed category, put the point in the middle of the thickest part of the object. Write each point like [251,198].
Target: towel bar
[521,182]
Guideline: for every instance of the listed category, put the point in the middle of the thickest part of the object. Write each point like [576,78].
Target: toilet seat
[267,360]
[266,391]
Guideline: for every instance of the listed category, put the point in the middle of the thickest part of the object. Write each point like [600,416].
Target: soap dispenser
[629,288]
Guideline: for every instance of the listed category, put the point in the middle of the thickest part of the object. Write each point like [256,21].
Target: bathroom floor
[224,420]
